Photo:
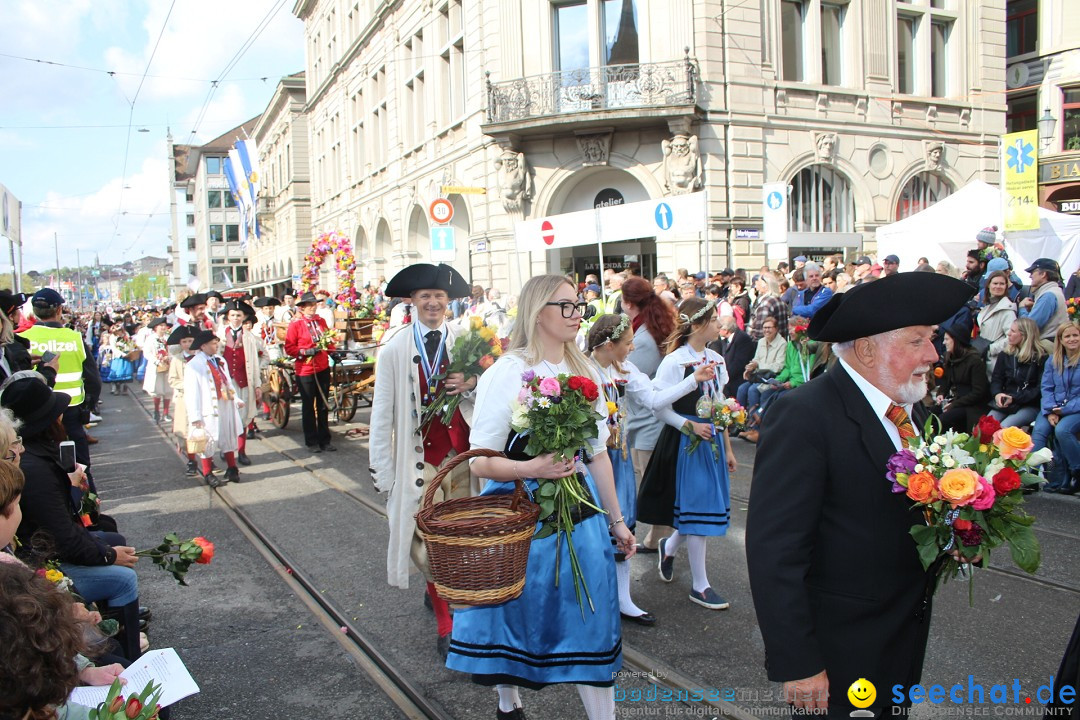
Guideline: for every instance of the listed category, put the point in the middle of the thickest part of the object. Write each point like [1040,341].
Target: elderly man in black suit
[838,588]
[737,347]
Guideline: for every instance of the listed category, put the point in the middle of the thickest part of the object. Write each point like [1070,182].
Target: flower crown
[683,318]
[618,330]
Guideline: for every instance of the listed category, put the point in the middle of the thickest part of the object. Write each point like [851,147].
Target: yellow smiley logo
[862,693]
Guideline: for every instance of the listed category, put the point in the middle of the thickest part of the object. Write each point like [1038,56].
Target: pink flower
[550,386]
[523,395]
[986,496]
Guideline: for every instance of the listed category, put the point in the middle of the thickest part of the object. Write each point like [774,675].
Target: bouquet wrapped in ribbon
[970,489]
[559,416]
[473,353]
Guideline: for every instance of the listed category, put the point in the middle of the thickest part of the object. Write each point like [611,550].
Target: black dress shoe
[144,626]
[646,619]
[515,714]
[213,480]
[243,459]
[314,449]
[192,469]
[329,448]
[231,475]
[251,434]
[443,646]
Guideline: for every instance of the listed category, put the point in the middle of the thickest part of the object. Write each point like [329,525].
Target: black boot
[1072,486]
[251,432]
[192,469]
[243,459]
[213,480]
[231,475]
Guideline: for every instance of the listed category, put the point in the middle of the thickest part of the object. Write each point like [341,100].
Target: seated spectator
[768,360]
[1059,417]
[1016,385]
[964,389]
[99,563]
[1046,306]
[814,297]
[996,316]
[798,362]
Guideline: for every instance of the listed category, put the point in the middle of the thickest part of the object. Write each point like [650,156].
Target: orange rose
[922,487]
[207,550]
[485,361]
[959,486]
[939,372]
[1013,443]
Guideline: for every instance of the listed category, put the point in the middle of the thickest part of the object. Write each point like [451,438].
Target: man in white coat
[240,349]
[404,457]
[265,329]
[212,405]
[156,379]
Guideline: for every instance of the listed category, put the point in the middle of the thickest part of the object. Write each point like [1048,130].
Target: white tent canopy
[946,231]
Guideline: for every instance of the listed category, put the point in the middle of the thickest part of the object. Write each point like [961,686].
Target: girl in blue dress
[544,637]
[686,489]
[610,342]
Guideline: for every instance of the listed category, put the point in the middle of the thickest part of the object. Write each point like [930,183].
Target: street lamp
[1046,123]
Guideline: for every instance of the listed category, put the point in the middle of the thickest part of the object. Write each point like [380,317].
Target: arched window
[821,201]
[920,192]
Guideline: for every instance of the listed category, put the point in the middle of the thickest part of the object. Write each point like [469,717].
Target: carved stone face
[680,145]
[826,143]
[510,164]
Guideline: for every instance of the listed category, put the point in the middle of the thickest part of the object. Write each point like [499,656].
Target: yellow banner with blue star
[1020,180]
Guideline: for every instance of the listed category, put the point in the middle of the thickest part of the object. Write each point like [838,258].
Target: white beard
[909,392]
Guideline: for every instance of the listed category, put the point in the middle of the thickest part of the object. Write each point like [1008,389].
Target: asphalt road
[258,653]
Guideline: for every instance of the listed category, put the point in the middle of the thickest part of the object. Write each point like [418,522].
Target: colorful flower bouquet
[970,488]
[175,556]
[558,414]
[1071,307]
[143,706]
[473,353]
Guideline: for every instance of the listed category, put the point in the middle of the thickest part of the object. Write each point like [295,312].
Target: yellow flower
[476,322]
[486,332]
[54,576]
[496,349]
[612,408]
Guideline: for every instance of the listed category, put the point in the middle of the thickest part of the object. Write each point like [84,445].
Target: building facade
[284,211]
[211,227]
[1043,81]
[869,111]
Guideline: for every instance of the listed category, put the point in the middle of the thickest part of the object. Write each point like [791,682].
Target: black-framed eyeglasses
[568,307]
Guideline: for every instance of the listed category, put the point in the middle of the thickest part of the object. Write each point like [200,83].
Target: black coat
[738,349]
[47,507]
[835,576]
[965,386]
[1021,381]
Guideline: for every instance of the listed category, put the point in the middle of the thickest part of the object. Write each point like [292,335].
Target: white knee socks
[509,697]
[599,702]
[626,605]
[671,545]
[695,547]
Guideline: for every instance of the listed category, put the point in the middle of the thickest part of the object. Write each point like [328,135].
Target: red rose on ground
[589,389]
[985,429]
[207,550]
[574,382]
[961,524]
[1006,481]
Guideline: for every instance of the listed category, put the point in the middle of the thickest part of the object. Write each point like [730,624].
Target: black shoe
[442,645]
[231,475]
[243,459]
[157,416]
[192,469]
[329,448]
[213,480]
[1048,488]
[646,550]
[144,625]
[665,564]
[251,433]
[646,619]
[144,613]
[515,714]
[314,449]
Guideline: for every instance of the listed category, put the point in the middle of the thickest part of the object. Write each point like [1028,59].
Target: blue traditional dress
[687,491]
[541,637]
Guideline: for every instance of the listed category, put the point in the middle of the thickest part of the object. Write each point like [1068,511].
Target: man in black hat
[286,309]
[265,329]
[1046,306]
[212,405]
[214,312]
[194,312]
[181,338]
[838,587]
[156,379]
[404,456]
[304,341]
[241,350]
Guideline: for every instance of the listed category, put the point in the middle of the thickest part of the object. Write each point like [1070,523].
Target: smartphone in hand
[67,456]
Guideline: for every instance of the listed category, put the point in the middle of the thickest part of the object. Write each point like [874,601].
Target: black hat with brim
[157,321]
[238,305]
[425,276]
[890,303]
[193,300]
[266,302]
[9,300]
[178,334]
[307,298]
[34,403]
[215,294]
[204,336]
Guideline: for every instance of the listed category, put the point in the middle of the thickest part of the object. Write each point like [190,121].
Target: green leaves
[926,539]
[1024,547]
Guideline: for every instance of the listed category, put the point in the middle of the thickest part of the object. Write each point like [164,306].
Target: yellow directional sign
[462,190]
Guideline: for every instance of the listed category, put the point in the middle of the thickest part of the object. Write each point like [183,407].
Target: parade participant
[212,404]
[303,341]
[286,309]
[241,351]
[182,337]
[404,386]
[544,637]
[156,380]
[609,344]
[215,314]
[401,313]
[838,587]
[122,358]
[265,329]
[77,374]
[194,307]
[689,491]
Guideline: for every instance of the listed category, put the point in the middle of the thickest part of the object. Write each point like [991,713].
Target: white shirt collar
[879,401]
[424,329]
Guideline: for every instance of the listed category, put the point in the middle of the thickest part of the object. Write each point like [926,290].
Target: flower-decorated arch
[340,247]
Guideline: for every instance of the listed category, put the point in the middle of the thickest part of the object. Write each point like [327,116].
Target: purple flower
[902,462]
[971,537]
[528,376]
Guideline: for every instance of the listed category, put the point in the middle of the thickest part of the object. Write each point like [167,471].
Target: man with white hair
[838,586]
[814,297]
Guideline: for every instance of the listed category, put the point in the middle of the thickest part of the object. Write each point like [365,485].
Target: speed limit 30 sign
[441,210]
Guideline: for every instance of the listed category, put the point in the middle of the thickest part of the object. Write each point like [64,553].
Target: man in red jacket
[304,341]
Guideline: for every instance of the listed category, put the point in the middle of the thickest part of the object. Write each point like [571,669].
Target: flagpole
[56,247]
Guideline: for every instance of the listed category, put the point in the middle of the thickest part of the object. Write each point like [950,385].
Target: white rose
[934,447]
[919,468]
[940,440]
[934,460]
[948,462]
[1039,457]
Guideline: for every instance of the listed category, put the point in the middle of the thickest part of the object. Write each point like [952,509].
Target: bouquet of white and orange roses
[970,489]
[473,353]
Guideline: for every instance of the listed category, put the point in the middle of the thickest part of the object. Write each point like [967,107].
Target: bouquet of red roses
[969,487]
[559,415]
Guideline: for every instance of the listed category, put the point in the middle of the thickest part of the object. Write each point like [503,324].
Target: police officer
[77,375]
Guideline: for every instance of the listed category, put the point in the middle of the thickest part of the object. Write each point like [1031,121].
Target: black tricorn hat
[266,301]
[216,294]
[893,302]
[425,276]
[157,321]
[204,336]
[179,333]
[238,305]
[192,300]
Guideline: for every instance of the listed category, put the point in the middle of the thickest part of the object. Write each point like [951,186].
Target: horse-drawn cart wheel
[346,404]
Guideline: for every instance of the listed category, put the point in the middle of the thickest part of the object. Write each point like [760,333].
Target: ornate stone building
[868,109]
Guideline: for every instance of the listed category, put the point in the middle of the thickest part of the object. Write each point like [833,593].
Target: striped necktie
[899,417]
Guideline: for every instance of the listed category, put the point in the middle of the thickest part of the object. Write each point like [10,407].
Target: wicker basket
[478,547]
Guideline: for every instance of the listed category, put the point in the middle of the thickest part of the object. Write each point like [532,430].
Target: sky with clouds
[66,150]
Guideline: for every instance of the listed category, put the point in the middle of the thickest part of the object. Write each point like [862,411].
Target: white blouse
[672,371]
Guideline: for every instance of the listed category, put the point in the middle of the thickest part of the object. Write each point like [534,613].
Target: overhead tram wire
[215,83]
[131,118]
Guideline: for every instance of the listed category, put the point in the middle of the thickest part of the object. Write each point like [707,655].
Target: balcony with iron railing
[637,94]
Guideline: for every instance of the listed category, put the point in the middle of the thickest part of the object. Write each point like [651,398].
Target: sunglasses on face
[569,308]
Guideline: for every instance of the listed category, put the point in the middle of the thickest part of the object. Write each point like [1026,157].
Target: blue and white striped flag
[249,159]
[238,184]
